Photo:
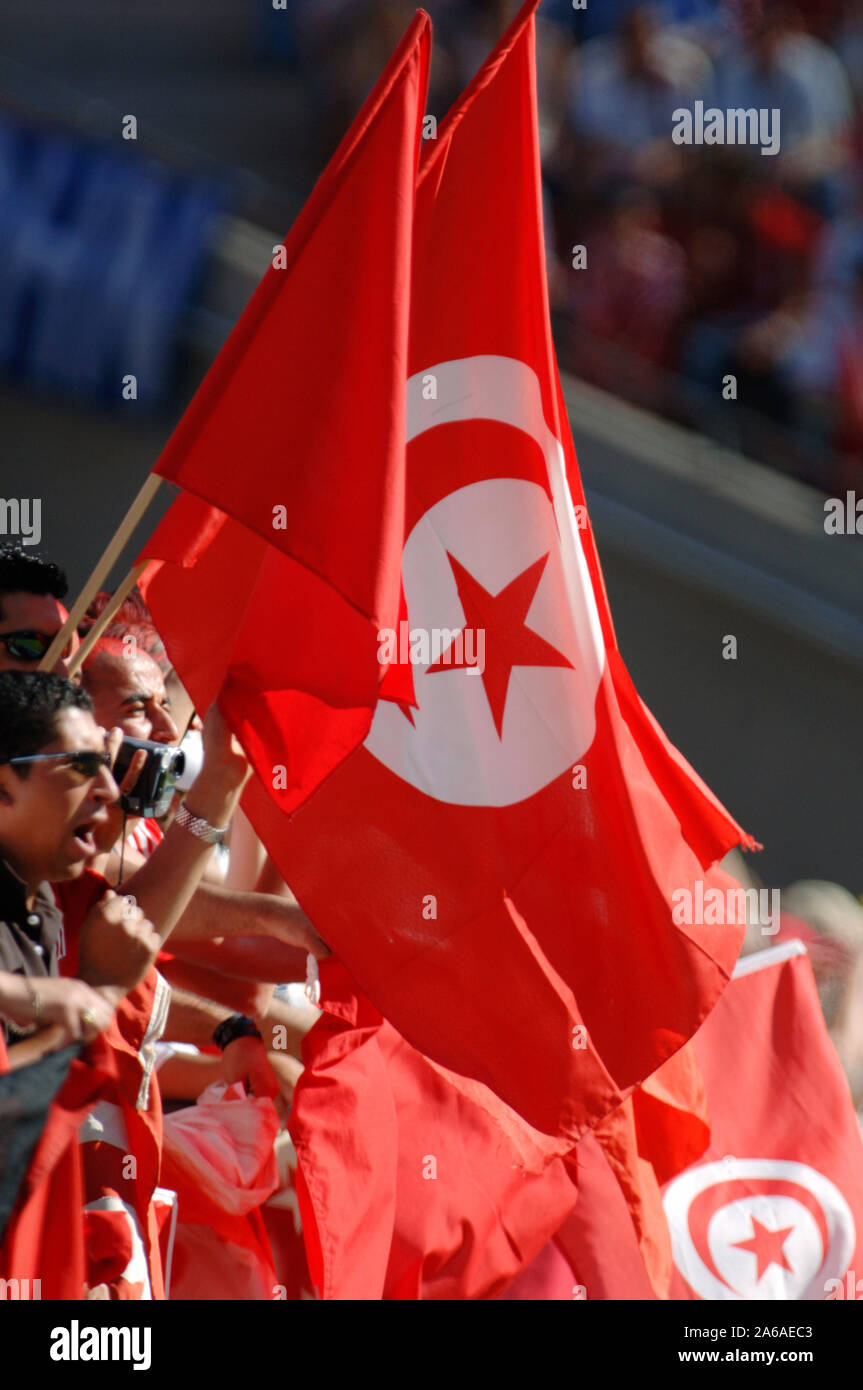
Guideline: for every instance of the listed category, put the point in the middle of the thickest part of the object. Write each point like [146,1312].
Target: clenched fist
[118,943]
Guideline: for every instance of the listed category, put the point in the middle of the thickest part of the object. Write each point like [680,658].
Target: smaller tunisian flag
[297,432]
[774,1209]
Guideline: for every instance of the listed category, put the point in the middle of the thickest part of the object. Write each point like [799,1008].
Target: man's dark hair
[30,702]
[22,572]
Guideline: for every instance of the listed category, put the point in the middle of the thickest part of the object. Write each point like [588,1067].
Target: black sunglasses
[86,763]
[26,645]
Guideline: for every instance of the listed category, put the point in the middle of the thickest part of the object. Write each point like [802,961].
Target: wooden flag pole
[101,571]
[76,661]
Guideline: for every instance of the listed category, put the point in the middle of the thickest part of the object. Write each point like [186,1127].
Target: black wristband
[237,1026]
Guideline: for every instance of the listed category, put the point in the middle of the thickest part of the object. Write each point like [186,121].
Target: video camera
[152,793]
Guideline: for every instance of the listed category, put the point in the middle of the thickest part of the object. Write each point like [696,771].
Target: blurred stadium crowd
[702,261]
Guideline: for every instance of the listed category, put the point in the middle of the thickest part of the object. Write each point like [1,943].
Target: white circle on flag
[495,530]
[806,1236]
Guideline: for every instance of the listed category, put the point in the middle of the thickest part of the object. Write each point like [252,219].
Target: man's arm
[259,959]
[225,912]
[185,1075]
[236,996]
[192,1019]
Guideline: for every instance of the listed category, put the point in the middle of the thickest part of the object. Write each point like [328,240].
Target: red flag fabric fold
[412,1186]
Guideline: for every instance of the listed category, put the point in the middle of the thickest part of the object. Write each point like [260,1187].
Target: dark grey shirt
[30,938]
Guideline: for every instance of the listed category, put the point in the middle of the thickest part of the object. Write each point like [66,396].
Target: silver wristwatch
[196,825]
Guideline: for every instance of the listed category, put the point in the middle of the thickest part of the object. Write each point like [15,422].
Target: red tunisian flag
[774,1209]
[297,432]
[495,863]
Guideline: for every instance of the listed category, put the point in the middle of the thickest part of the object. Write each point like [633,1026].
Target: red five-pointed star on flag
[766,1246]
[508,642]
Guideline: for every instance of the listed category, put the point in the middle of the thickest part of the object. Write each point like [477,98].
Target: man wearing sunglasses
[31,613]
[55,789]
